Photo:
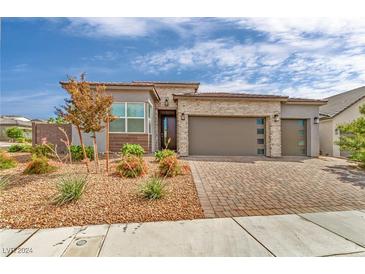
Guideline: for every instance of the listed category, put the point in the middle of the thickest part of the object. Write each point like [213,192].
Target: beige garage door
[226,136]
[294,137]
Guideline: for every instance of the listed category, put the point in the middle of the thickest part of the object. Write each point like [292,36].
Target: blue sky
[309,57]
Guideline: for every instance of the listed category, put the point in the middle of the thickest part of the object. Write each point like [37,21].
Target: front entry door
[168,132]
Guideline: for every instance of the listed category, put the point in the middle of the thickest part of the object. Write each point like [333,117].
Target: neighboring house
[197,123]
[8,121]
[341,108]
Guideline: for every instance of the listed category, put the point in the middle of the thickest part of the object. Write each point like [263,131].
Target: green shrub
[161,154]
[4,182]
[169,166]
[20,140]
[38,165]
[132,166]
[153,188]
[28,140]
[6,161]
[78,155]
[132,149]
[69,189]
[43,150]
[20,148]
[14,133]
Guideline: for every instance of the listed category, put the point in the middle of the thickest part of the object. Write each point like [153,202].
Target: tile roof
[338,103]
[148,84]
[13,122]
[167,82]
[230,95]
[307,100]
[122,84]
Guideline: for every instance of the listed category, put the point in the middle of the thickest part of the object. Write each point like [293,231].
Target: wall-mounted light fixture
[337,131]
[166,102]
[183,116]
[316,120]
[276,117]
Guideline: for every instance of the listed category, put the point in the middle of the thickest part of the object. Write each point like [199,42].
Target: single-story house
[341,108]
[209,123]
[9,121]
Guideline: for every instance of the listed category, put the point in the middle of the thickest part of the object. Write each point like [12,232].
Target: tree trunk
[96,157]
[86,159]
[107,146]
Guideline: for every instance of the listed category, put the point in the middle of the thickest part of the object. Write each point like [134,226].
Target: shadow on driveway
[348,174]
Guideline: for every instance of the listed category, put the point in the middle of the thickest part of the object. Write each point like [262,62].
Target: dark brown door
[168,132]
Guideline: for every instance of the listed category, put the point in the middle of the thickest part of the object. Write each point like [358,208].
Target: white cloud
[134,27]
[42,103]
[107,26]
[296,57]
[103,57]
[19,68]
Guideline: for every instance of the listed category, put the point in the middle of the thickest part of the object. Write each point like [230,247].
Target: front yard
[26,202]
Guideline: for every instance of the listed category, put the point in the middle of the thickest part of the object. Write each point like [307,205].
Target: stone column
[182,134]
[275,137]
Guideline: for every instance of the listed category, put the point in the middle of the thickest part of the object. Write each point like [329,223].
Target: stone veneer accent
[165,92]
[229,107]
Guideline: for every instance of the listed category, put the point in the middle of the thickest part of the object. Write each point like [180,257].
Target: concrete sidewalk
[313,234]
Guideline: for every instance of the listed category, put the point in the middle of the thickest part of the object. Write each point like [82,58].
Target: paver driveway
[248,186]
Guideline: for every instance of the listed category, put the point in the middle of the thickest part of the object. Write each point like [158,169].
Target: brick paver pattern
[249,186]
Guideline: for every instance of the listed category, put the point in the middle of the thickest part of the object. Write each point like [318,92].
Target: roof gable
[338,103]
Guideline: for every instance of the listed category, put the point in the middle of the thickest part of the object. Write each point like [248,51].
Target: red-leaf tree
[88,109]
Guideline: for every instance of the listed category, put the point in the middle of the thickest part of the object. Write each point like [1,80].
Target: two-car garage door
[226,135]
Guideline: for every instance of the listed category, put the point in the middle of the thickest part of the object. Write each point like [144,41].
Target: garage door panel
[223,136]
[294,137]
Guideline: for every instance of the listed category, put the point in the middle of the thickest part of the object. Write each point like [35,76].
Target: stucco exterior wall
[346,116]
[167,93]
[130,95]
[326,137]
[308,112]
[86,138]
[227,107]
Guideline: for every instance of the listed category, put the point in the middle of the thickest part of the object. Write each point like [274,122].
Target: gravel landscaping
[26,203]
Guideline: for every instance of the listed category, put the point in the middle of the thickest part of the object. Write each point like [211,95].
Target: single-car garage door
[294,137]
[233,136]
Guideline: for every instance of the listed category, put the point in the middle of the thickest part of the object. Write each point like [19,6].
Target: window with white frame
[130,117]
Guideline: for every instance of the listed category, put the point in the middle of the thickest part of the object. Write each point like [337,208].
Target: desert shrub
[44,150]
[153,188]
[39,165]
[169,166]
[6,161]
[4,182]
[132,149]
[132,166]
[161,154]
[20,148]
[78,155]
[185,169]
[20,140]
[14,133]
[69,189]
